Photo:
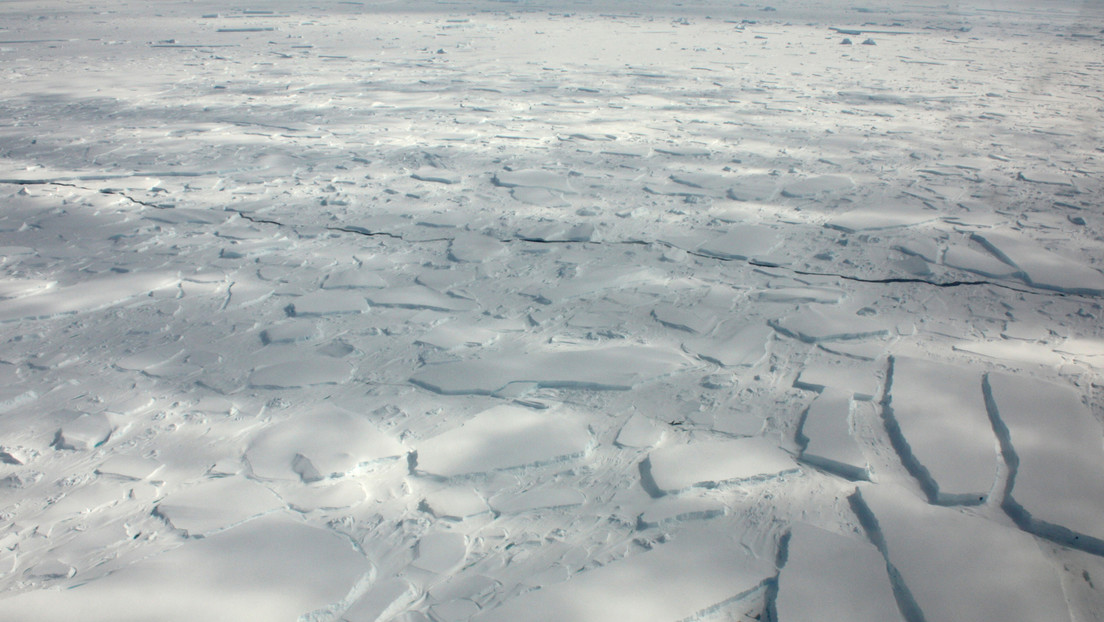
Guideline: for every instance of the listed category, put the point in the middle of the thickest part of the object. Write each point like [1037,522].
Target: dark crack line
[257,221]
[881,281]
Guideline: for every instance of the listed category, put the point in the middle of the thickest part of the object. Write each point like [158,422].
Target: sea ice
[935,414]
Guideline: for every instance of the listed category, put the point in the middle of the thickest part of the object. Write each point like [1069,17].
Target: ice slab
[271,568]
[753,188]
[436,175]
[129,467]
[418,297]
[963,257]
[440,552]
[455,503]
[672,510]
[504,437]
[327,302]
[823,295]
[683,318]
[828,576]
[150,358]
[815,325]
[825,436]
[328,495]
[640,431]
[1013,350]
[1053,446]
[1042,268]
[858,379]
[687,576]
[888,216]
[91,295]
[812,186]
[354,278]
[742,242]
[216,504]
[936,417]
[542,498]
[326,443]
[474,248]
[614,368]
[83,432]
[305,372]
[953,566]
[733,344]
[382,599]
[17,288]
[293,331]
[709,463]
[595,280]
[457,334]
[534,178]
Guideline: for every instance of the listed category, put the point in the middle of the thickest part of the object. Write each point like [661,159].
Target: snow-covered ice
[436,311]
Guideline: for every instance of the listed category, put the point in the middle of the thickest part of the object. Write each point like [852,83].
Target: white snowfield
[519,310]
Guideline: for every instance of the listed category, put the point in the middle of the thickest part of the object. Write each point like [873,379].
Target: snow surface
[614,310]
